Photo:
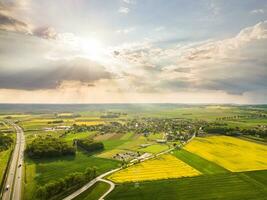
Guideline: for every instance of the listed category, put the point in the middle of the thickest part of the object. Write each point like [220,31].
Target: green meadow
[230,186]
[41,171]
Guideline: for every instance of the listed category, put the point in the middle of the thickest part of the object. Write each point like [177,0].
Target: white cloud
[235,65]
[126,30]
[257,11]
[124,10]
[129,1]
[160,28]
[214,7]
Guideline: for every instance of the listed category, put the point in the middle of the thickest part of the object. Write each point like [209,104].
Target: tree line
[5,142]
[49,147]
[89,145]
[74,180]
[235,131]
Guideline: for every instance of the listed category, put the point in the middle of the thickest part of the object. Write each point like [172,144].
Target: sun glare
[92,48]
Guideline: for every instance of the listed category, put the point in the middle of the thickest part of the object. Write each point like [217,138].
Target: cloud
[214,7]
[160,28]
[79,69]
[257,11]
[126,30]
[45,32]
[234,65]
[9,22]
[124,10]
[129,1]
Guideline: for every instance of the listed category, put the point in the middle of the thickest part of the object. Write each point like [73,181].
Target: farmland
[4,155]
[231,153]
[230,186]
[218,159]
[95,192]
[199,163]
[41,171]
[154,169]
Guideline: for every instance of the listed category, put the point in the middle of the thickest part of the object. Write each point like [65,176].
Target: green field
[215,182]
[95,192]
[230,186]
[155,148]
[71,136]
[199,163]
[41,171]
[4,157]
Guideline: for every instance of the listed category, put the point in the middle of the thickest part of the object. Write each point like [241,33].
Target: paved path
[14,174]
[88,185]
[112,186]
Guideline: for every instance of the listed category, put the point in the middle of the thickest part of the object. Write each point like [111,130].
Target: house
[161,141]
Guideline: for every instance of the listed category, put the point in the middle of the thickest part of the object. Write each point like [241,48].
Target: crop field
[88,123]
[155,148]
[195,112]
[95,192]
[199,163]
[4,155]
[207,168]
[3,126]
[131,142]
[163,167]
[135,145]
[109,154]
[155,136]
[71,136]
[41,171]
[127,136]
[231,153]
[230,186]
[247,123]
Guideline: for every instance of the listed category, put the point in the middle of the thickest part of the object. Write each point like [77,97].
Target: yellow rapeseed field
[231,153]
[89,123]
[163,167]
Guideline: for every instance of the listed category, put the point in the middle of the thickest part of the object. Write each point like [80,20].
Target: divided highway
[14,175]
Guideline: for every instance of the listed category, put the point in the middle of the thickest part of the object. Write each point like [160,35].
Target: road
[14,174]
[112,186]
[88,185]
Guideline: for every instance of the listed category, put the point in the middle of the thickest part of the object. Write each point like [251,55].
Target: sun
[92,48]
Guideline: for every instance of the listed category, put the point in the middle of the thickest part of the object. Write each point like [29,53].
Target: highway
[14,175]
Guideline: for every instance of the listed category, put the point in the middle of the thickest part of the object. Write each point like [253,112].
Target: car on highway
[19,165]
[7,187]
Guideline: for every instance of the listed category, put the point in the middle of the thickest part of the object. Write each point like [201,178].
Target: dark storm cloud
[81,70]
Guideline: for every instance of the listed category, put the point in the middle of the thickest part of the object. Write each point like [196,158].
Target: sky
[133,51]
